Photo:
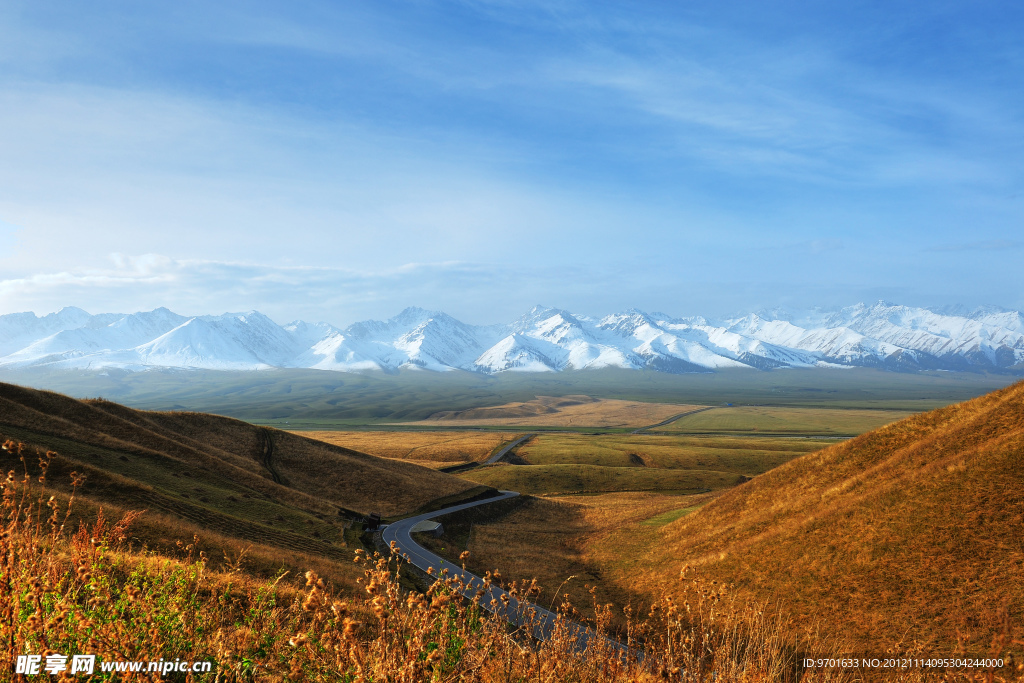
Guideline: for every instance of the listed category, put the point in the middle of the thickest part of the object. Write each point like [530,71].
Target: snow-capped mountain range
[881,335]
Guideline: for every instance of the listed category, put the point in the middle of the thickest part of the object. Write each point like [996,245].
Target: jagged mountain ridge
[879,335]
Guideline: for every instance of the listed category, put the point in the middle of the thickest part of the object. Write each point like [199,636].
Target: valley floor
[599,501]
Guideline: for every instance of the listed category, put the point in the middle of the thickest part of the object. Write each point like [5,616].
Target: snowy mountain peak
[413,314]
[626,324]
[69,312]
[545,339]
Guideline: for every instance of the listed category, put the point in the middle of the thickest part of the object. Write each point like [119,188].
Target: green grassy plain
[544,479]
[314,399]
[741,455]
[785,420]
[576,463]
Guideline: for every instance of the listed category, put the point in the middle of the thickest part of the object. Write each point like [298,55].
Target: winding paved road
[517,612]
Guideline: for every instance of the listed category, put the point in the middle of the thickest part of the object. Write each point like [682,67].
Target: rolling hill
[908,534]
[215,475]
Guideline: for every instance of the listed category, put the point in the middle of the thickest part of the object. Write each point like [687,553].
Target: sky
[340,161]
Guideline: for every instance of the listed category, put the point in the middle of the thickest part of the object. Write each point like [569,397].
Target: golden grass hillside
[157,448]
[77,590]
[913,533]
[281,500]
[69,593]
[563,411]
[552,540]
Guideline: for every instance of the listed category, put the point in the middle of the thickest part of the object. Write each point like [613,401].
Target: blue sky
[338,161]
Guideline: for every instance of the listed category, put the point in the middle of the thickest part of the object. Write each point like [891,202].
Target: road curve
[517,612]
[504,451]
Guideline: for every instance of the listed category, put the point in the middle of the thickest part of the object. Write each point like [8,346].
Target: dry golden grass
[912,532]
[152,446]
[552,539]
[912,529]
[448,448]
[436,464]
[266,552]
[565,411]
[82,593]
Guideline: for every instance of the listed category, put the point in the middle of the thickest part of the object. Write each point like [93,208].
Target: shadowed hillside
[912,532]
[233,483]
[279,465]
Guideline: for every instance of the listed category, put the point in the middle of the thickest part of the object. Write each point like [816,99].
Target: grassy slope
[86,594]
[206,474]
[911,530]
[311,475]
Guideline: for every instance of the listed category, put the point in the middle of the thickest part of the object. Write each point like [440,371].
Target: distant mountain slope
[913,530]
[200,465]
[882,335]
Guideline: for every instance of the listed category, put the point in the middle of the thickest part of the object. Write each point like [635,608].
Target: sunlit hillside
[908,534]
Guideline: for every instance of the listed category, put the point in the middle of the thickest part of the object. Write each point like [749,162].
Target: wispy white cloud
[486,293]
[773,117]
[337,295]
